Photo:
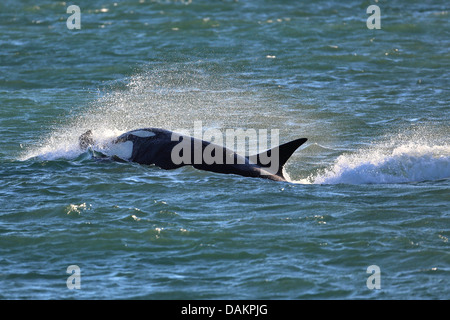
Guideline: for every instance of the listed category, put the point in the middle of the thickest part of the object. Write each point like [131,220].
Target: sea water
[368,191]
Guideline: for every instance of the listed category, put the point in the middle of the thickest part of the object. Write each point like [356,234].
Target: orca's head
[86,140]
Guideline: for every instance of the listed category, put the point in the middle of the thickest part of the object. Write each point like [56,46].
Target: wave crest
[411,162]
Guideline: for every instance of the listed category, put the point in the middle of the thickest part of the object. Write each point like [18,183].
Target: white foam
[63,144]
[410,162]
[54,147]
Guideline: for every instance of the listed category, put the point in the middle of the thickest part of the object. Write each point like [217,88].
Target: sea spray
[170,97]
[418,155]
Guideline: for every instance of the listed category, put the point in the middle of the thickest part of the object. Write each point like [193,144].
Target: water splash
[175,96]
[423,155]
[170,97]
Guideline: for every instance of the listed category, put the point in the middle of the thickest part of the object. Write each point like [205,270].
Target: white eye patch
[143,133]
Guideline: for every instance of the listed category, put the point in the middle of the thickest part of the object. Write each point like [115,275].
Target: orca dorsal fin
[283,152]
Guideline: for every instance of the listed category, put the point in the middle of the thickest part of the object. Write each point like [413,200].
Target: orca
[170,150]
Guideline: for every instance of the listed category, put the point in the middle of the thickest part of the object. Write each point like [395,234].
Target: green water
[370,187]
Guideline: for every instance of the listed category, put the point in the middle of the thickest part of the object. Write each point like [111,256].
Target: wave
[387,163]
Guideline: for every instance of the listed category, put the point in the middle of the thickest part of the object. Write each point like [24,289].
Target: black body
[160,147]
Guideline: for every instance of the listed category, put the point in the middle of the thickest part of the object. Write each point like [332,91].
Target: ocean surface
[364,215]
